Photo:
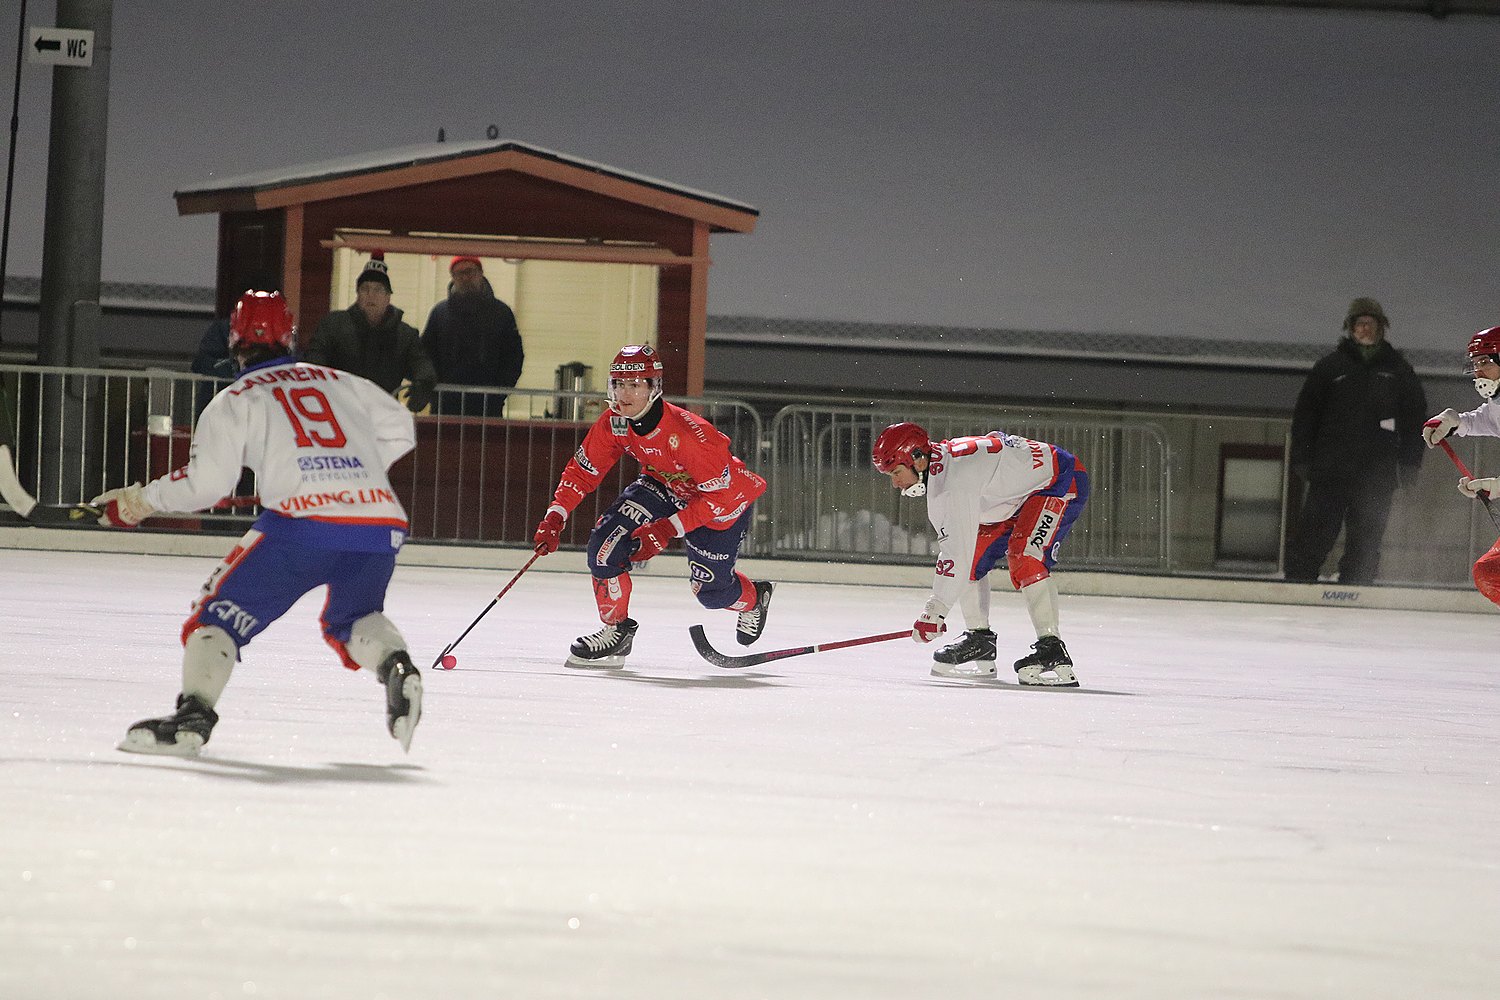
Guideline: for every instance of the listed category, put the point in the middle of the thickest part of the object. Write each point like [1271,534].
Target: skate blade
[1046,682]
[602,663]
[958,670]
[141,741]
[404,727]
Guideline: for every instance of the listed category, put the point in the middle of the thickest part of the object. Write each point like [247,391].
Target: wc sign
[61,47]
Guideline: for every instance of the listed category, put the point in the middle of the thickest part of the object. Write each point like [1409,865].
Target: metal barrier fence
[827,499]
[471,479]
[486,480]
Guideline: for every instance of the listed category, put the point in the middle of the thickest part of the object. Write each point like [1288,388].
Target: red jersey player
[691,486]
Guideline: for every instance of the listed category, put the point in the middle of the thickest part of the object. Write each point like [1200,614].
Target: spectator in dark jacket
[213,358]
[1356,435]
[472,339]
[370,339]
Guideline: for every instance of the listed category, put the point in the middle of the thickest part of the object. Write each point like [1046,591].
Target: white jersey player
[989,498]
[319,442]
[1484,368]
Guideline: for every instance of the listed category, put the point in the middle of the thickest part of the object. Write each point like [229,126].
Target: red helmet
[261,319]
[635,361]
[900,444]
[1484,344]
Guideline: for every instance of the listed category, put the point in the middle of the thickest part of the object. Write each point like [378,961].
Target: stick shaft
[496,600]
[844,644]
[718,659]
[1463,469]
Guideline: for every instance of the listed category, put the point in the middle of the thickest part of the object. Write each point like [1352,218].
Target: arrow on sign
[62,46]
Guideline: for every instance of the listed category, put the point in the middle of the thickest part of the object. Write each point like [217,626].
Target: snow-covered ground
[1243,801]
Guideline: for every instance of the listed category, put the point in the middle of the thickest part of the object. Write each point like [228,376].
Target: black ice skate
[973,655]
[753,622]
[403,696]
[607,647]
[1048,665]
[180,734]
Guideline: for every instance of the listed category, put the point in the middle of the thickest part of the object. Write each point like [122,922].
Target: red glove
[929,625]
[123,508]
[652,538]
[927,628]
[549,531]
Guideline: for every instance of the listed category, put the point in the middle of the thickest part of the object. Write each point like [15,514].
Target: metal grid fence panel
[828,501]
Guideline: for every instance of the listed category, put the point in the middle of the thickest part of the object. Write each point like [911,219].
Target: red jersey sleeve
[600,450]
[724,486]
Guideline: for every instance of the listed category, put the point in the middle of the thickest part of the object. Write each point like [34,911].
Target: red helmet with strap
[1484,344]
[899,444]
[261,319]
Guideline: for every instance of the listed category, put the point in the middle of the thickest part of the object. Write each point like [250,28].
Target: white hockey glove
[1439,427]
[123,508]
[1472,488]
[929,624]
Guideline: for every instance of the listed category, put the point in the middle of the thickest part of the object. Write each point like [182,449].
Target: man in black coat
[472,339]
[369,339]
[1356,435]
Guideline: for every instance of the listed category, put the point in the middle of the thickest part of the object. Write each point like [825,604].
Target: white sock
[373,638]
[207,659]
[975,602]
[1041,604]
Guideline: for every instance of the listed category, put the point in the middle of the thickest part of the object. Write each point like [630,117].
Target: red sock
[613,598]
[747,594]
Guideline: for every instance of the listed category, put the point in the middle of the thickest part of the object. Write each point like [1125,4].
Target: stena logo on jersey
[619,426]
[582,458]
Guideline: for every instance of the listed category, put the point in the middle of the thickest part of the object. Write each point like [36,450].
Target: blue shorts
[711,553]
[263,577]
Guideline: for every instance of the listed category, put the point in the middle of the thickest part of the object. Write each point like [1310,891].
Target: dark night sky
[1213,171]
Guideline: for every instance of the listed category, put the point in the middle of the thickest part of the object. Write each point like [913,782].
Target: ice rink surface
[1243,801]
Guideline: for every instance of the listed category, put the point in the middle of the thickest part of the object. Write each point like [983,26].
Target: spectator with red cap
[473,340]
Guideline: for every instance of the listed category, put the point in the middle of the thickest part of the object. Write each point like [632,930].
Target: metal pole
[73,247]
[10,180]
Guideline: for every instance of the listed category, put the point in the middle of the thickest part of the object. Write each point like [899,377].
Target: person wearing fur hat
[473,340]
[1356,436]
[371,340]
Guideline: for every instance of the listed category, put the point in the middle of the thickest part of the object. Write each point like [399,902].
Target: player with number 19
[991,497]
[319,441]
